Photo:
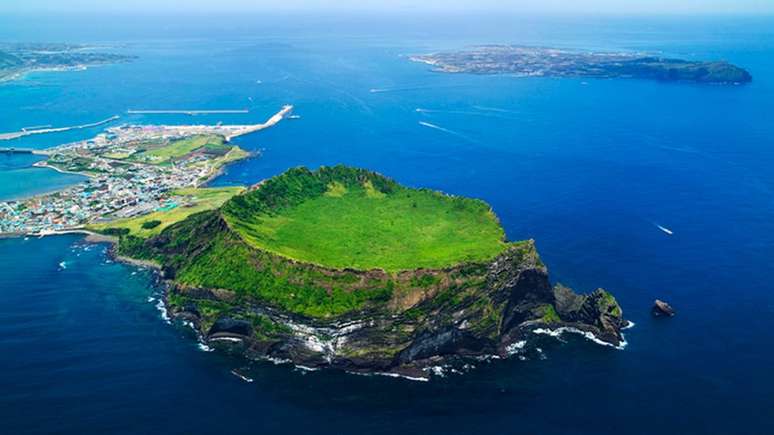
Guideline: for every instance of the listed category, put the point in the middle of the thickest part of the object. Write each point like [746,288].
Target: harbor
[29,132]
[131,170]
[188,112]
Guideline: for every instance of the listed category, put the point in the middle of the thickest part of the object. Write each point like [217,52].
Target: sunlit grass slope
[189,201]
[342,217]
[182,147]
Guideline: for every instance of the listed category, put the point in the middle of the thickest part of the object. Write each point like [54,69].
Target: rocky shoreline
[352,344]
[376,342]
[266,306]
[311,344]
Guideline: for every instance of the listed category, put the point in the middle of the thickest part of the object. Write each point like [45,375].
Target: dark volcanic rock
[404,322]
[598,311]
[228,326]
[661,308]
[516,286]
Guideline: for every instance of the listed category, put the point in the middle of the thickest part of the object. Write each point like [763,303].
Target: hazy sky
[532,6]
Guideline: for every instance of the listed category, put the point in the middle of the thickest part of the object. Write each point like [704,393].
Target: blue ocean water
[18,179]
[588,168]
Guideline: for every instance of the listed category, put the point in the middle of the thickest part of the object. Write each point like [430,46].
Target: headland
[17,60]
[344,268]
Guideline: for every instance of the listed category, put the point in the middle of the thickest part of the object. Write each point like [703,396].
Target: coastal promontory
[345,268]
[553,62]
[18,59]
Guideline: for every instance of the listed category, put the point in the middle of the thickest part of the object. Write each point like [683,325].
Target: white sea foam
[588,335]
[230,339]
[163,310]
[204,348]
[516,347]
[486,358]
[396,375]
[439,371]
[278,361]
[629,325]
[390,375]
[63,265]
[241,376]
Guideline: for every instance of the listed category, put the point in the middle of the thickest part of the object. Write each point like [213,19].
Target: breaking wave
[163,310]
[588,335]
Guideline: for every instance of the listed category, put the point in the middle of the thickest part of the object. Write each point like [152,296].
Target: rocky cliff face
[251,299]
[431,318]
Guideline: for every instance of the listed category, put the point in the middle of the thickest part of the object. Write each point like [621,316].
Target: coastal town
[131,170]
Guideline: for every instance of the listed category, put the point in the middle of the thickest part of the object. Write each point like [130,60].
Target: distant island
[552,62]
[345,268]
[16,60]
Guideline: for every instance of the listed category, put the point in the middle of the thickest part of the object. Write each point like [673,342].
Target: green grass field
[179,148]
[200,199]
[360,227]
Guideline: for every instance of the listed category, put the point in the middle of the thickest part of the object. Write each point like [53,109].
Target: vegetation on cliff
[324,243]
[345,267]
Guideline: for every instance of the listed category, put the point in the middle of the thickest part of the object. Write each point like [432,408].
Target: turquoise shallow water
[587,168]
[19,180]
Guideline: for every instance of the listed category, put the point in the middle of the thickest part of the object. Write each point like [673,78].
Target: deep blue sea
[588,168]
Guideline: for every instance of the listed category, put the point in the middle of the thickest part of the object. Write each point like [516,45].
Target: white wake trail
[446,130]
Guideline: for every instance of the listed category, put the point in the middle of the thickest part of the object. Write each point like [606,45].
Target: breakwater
[29,132]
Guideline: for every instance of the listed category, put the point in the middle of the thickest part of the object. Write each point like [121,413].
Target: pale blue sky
[524,6]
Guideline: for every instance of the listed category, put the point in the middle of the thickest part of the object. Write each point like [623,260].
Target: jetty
[187,112]
[19,151]
[28,132]
[247,129]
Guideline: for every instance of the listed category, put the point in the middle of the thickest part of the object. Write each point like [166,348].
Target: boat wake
[665,229]
[409,88]
[485,114]
[495,109]
[446,130]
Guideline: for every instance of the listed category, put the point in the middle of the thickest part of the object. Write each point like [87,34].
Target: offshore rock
[661,308]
